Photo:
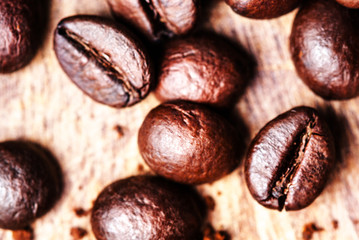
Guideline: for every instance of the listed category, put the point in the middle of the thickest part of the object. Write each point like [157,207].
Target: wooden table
[39,103]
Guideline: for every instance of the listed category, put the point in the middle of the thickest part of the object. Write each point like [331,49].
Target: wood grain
[41,104]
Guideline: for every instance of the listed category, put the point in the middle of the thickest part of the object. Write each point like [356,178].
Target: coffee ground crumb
[78,233]
[210,234]
[119,131]
[24,234]
[80,212]
[309,229]
[140,167]
[335,224]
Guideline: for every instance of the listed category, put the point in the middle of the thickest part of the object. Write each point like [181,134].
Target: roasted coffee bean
[349,3]
[146,207]
[188,143]
[289,160]
[325,48]
[30,184]
[103,59]
[263,9]
[157,18]
[18,20]
[205,69]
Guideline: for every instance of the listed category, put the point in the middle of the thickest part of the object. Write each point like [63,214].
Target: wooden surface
[41,104]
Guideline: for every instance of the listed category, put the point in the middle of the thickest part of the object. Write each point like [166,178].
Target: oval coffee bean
[263,9]
[18,20]
[349,3]
[30,184]
[204,69]
[157,18]
[289,160]
[188,143]
[106,61]
[325,48]
[145,207]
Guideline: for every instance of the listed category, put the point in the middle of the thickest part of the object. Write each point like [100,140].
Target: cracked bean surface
[103,59]
[289,160]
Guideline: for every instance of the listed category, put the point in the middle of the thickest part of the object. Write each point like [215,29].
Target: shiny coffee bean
[30,184]
[325,48]
[263,9]
[157,18]
[205,69]
[18,21]
[349,3]
[103,59]
[289,160]
[188,143]
[146,207]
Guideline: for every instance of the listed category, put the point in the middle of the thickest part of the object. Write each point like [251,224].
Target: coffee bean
[325,48]
[349,3]
[263,9]
[205,69]
[106,61]
[188,143]
[18,20]
[157,18]
[145,207]
[30,184]
[289,160]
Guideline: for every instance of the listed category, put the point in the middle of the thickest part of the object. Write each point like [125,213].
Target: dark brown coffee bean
[30,183]
[106,61]
[289,160]
[188,143]
[349,3]
[18,20]
[203,69]
[325,48]
[263,9]
[157,18]
[147,208]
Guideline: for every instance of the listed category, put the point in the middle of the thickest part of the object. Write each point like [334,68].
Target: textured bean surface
[106,61]
[289,161]
[203,69]
[157,18]
[262,9]
[325,48]
[29,184]
[18,20]
[188,143]
[146,208]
